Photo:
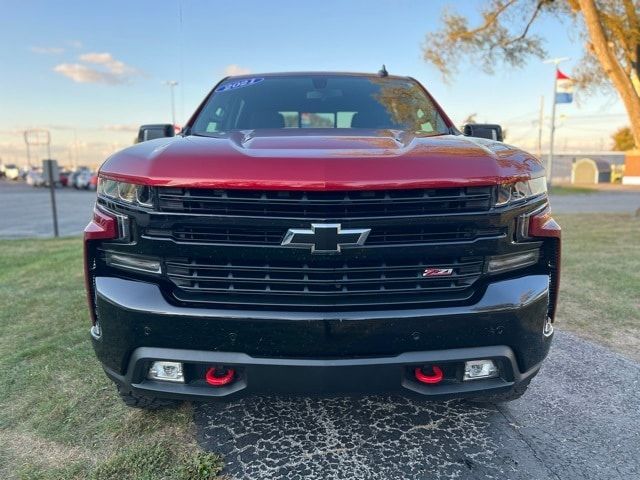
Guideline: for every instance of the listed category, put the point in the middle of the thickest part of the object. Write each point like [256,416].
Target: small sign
[52,176]
[54,171]
[247,82]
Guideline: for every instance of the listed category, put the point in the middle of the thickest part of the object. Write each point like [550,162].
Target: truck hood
[313,160]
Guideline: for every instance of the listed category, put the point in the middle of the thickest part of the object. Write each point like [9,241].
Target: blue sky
[92,71]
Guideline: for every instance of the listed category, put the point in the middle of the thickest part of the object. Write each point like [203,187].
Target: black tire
[515,393]
[147,403]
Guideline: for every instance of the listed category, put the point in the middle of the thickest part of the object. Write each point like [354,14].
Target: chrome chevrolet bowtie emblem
[325,237]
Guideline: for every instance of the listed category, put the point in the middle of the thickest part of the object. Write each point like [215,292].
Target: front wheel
[147,403]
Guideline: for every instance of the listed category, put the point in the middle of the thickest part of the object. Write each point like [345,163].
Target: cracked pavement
[579,420]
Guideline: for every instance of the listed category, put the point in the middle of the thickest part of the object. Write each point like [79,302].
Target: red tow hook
[219,377]
[435,377]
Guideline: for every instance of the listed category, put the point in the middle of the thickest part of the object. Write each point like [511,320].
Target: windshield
[319,101]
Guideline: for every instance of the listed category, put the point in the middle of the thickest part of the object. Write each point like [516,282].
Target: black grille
[324,204]
[269,235]
[222,259]
[332,285]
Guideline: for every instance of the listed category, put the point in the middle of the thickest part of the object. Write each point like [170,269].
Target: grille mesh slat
[198,276]
[325,204]
[263,235]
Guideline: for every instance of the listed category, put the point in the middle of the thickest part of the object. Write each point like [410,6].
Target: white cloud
[74,43]
[234,69]
[111,64]
[97,68]
[47,50]
[84,74]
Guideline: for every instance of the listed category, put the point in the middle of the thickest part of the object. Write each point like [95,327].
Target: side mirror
[483,130]
[160,130]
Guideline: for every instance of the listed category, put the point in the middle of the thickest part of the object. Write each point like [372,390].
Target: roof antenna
[383,72]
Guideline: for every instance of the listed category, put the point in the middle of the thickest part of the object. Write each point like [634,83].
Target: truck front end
[321,260]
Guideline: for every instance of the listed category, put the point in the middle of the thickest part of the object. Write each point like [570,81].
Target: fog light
[475,369]
[512,261]
[166,371]
[133,262]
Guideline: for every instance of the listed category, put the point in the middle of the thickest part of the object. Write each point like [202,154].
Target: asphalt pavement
[579,420]
[26,211]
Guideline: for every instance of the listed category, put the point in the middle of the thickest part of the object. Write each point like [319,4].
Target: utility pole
[540,122]
[556,62]
[172,84]
[75,148]
[28,151]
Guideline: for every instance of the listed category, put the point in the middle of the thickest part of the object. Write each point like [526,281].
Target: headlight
[520,191]
[126,192]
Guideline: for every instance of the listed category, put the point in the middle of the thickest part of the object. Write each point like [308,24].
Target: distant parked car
[35,178]
[64,177]
[83,179]
[12,172]
[93,183]
[80,178]
[71,181]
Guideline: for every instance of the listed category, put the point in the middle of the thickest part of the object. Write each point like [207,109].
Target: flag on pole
[564,88]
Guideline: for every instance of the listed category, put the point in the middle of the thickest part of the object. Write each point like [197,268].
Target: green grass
[570,190]
[600,284]
[60,417]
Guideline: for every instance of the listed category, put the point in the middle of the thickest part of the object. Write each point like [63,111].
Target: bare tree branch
[489,19]
[532,19]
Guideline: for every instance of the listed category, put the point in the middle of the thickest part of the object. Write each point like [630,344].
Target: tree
[622,139]
[610,30]
[470,119]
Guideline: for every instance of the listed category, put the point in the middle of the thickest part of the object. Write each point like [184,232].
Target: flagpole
[540,126]
[553,125]
[555,61]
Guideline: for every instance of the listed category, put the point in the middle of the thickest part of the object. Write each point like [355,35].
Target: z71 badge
[437,272]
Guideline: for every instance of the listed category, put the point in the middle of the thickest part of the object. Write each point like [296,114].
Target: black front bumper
[321,352]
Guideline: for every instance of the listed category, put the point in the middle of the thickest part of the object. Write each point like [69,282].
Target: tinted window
[323,101]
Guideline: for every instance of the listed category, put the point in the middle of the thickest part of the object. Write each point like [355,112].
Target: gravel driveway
[579,420]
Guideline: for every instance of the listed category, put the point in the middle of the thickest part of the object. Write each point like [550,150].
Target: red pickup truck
[321,233]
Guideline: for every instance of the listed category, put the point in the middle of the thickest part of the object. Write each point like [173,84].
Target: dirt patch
[24,446]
